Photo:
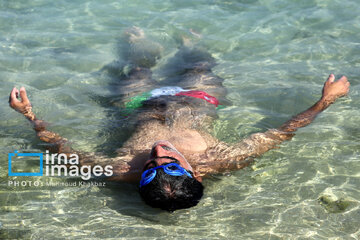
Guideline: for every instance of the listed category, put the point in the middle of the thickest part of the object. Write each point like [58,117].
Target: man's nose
[159,151]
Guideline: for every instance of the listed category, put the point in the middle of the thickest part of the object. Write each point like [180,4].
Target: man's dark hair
[172,192]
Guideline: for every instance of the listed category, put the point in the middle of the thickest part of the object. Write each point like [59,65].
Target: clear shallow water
[275,56]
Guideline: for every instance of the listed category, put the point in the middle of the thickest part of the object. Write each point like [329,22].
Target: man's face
[164,152]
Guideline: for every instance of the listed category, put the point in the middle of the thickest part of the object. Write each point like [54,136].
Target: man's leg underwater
[133,75]
[129,76]
[191,69]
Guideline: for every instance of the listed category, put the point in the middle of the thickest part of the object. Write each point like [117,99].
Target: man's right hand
[15,103]
[335,89]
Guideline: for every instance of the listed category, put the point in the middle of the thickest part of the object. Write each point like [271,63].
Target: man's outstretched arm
[58,144]
[239,155]
[332,90]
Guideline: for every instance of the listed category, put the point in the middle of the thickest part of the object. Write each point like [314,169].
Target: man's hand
[335,89]
[16,104]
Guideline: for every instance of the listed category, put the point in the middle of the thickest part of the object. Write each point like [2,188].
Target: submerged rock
[334,206]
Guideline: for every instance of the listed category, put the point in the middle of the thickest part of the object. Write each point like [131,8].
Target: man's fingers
[347,84]
[331,78]
[13,95]
[343,79]
[23,95]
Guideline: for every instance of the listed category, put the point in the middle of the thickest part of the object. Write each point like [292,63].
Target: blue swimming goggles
[172,169]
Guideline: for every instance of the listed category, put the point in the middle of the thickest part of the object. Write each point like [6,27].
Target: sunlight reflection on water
[274,55]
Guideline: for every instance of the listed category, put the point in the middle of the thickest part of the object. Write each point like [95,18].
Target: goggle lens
[172,169]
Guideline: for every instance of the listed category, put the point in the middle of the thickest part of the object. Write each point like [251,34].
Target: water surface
[274,56]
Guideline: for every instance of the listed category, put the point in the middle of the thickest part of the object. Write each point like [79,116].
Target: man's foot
[140,51]
[191,39]
[134,34]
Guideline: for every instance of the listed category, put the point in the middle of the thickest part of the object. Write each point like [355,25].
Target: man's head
[171,187]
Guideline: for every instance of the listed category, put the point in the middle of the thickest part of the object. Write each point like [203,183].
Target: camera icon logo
[29,174]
